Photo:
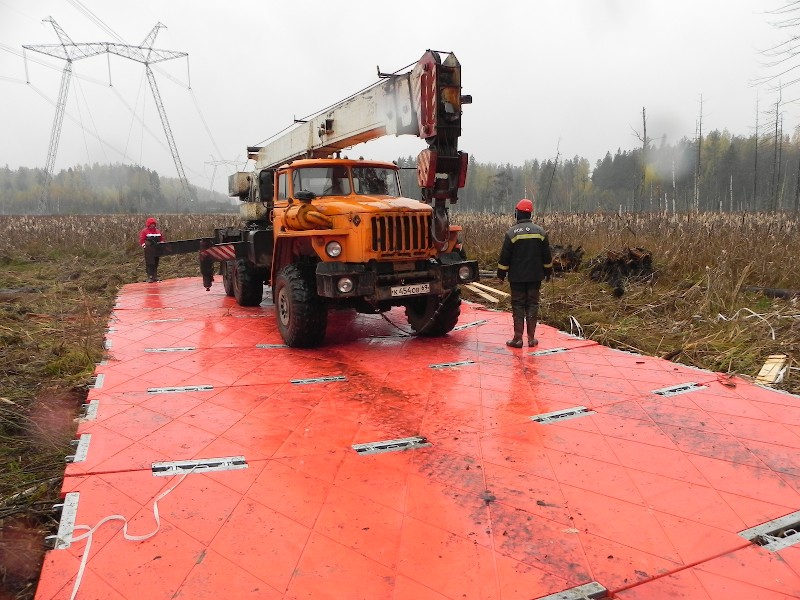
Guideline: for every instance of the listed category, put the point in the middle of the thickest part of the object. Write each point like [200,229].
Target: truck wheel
[247,288]
[302,315]
[423,318]
[227,270]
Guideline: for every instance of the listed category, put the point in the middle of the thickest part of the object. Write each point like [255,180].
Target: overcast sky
[571,75]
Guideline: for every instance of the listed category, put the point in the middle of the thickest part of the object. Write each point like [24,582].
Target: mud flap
[206,265]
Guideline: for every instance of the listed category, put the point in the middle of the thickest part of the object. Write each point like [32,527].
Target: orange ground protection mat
[628,494]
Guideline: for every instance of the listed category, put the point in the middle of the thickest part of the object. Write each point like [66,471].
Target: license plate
[410,290]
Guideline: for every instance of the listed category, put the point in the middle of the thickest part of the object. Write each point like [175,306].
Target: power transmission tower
[69,51]
[216,163]
[144,53]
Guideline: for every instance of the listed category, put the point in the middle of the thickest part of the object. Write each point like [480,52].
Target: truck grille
[402,233]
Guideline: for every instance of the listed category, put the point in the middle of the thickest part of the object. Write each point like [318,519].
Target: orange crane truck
[328,231]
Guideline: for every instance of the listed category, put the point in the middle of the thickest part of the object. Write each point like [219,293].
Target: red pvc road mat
[215,462]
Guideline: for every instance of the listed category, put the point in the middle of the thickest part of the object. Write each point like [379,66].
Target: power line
[19,12]
[79,124]
[120,47]
[104,84]
[103,142]
[69,51]
[138,119]
[91,118]
[80,116]
[96,20]
[134,114]
[13,79]
[205,124]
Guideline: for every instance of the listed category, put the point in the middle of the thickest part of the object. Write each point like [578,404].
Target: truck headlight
[464,273]
[345,284]
[333,249]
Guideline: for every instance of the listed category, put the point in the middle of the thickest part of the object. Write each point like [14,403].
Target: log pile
[618,266]
[566,258]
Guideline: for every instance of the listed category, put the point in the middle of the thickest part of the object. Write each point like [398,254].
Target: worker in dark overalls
[525,257]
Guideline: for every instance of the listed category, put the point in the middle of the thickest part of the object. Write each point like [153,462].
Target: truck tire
[423,317]
[302,315]
[227,270]
[247,288]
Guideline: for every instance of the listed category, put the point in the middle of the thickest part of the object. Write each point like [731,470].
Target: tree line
[102,189]
[718,172]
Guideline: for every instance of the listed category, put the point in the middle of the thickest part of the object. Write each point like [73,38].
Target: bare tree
[784,57]
[776,176]
[552,176]
[697,175]
[645,159]
[783,62]
[797,191]
[755,163]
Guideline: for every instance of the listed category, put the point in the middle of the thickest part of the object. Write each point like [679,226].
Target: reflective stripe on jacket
[525,254]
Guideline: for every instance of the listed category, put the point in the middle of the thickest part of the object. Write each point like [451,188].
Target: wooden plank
[471,287]
[773,369]
[491,290]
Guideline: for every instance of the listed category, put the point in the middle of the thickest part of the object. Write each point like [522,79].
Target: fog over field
[548,79]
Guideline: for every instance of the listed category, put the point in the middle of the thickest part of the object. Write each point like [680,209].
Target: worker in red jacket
[526,258]
[147,237]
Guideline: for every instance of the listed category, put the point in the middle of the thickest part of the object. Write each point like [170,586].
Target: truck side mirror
[266,185]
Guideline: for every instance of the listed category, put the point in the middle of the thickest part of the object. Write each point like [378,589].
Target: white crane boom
[425,102]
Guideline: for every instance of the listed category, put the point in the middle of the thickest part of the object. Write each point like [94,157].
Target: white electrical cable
[578,329]
[131,538]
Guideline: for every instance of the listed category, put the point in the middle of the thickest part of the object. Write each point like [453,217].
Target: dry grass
[697,309]
[60,276]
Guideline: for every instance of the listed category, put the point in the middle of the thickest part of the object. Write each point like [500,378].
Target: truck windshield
[375,181]
[323,181]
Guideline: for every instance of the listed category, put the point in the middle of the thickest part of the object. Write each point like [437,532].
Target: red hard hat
[524,205]
[151,221]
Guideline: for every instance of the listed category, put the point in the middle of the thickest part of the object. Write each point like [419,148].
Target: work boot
[531,316]
[150,277]
[516,341]
[518,315]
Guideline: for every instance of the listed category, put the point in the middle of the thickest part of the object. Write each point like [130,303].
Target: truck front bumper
[356,280]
